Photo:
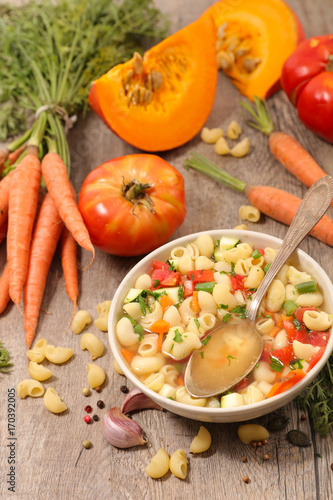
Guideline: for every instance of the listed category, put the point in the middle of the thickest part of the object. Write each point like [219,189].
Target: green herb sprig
[5,365]
[318,399]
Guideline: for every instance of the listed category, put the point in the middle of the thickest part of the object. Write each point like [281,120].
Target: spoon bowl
[233,350]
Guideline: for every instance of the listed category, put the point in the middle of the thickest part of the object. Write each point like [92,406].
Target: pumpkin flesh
[166,103]
[255,38]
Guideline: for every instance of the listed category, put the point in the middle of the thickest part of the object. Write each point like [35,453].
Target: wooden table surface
[50,462]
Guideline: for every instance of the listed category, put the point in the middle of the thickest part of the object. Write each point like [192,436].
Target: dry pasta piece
[178,463]
[91,343]
[53,401]
[103,309]
[202,441]
[159,464]
[29,387]
[81,319]
[96,375]
[247,212]
[210,136]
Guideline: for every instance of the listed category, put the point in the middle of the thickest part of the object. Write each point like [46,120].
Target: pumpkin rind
[186,61]
[271,30]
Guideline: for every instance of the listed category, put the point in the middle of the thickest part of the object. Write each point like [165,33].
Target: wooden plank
[50,460]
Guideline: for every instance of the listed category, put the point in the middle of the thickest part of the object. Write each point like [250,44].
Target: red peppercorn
[88,409]
[87,419]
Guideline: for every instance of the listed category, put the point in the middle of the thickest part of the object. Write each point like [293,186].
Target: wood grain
[51,463]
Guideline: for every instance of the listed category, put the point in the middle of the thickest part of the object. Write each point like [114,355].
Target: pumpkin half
[254,39]
[162,100]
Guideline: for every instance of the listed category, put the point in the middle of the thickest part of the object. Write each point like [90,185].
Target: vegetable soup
[171,311]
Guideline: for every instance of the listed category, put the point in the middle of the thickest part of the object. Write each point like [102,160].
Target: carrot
[195,302]
[285,148]
[3,230]
[69,265]
[3,157]
[4,197]
[44,242]
[165,302]
[283,318]
[128,355]
[23,198]
[290,379]
[14,155]
[160,326]
[160,342]
[275,331]
[4,289]
[273,202]
[181,379]
[59,186]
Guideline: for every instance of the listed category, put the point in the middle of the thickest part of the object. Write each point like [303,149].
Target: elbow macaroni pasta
[53,402]
[178,464]
[211,284]
[29,387]
[202,441]
[159,464]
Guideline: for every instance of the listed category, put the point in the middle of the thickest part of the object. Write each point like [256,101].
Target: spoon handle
[313,206]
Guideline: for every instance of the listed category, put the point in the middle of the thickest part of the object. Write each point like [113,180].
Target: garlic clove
[121,431]
[137,400]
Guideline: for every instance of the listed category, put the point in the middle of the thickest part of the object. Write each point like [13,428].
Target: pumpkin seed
[142,94]
[156,80]
[221,31]
[225,60]
[128,78]
[277,422]
[232,43]
[250,63]
[242,51]
[148,96]
[137,63]
[298,438]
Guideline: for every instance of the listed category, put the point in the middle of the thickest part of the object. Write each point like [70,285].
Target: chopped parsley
[232,264]
[202,354]
[156,283]
[178,336]
[268,316]
[197,322]
[298,324]
[172,399]
[240,310]
[276,364]
[171,348]
[206,340]
[266,268]
[181,293]
[171,267]
[296,364]
[229,358]
[223,306]
[139,330]
[226,317]
[142,303]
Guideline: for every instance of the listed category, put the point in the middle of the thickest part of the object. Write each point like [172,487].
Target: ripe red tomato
[132,204]
[307,79]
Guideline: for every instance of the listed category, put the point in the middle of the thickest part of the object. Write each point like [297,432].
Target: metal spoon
[205,374]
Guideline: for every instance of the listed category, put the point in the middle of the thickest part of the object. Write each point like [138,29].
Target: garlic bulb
[121,431]
[136,400]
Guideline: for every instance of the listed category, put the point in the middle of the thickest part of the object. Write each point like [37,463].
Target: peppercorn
[86,391]
[87,419]
[303,417]
[124,389]
[246,479]
[259,443]
[266,457]
[88,409]
[244,459]
[96,418]
[264,441]
[100,404]
[98,389]
[253,444]
[86,444]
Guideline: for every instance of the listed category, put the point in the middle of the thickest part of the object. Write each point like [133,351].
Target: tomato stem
[135,192]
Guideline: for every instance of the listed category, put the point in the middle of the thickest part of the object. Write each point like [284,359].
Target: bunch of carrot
[33,233]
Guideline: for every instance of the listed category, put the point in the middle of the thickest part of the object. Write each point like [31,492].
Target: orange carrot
[273,202]
[282,206]
[14,155]
[59,186]
[69,265]
[181,379]
[23,198]
[160,342]
[128,355]
[165,302]
[4,289]
[160,326]
[290,379]
[3,230]
[45,239]
[275,331]
[3,157]
[283,318]
[195,302]
[295,158]
[4,197]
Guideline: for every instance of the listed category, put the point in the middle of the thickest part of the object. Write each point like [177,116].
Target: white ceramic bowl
[241,413]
